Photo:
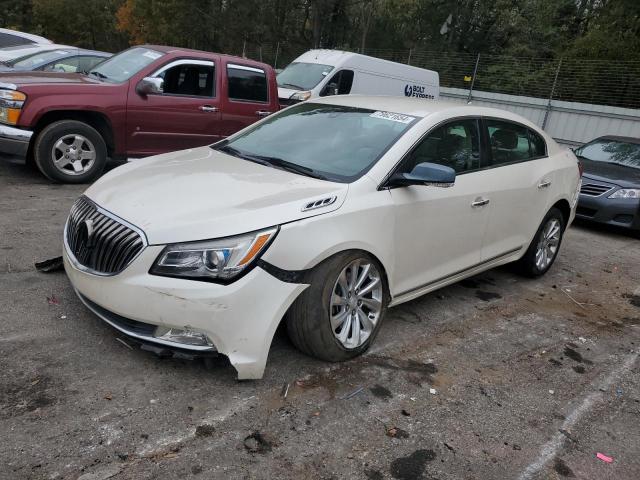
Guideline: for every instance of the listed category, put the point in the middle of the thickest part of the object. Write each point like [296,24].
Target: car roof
[420,107]
[617,138]
[178,51]
[28,36]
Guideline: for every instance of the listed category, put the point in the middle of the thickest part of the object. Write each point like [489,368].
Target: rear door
[185,115]
[519,176]
[247,96]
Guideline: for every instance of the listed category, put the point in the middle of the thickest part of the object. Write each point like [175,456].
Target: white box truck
[318,73]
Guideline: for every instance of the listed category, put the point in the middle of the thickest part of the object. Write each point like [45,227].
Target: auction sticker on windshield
[394,117]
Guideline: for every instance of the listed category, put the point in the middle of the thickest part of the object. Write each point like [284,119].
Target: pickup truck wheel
[338,316]
[69,151]
[544,247]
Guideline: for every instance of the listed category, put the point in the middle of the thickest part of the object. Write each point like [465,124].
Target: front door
[439,231]
[185,115]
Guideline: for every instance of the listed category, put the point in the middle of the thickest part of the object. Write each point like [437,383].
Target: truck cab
[144,101]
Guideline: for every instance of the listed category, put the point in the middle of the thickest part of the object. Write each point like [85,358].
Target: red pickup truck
[143,101]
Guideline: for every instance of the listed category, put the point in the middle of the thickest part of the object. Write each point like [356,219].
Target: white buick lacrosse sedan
[323,215]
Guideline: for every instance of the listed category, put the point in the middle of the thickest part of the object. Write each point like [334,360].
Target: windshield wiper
[291,167]
[297,87]
[98,74]
[272,162]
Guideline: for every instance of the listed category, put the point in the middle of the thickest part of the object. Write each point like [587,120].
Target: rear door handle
[480,202]
[208,108]
[544,184]
[263,113]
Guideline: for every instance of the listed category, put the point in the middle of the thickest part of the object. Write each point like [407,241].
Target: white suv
[324,214]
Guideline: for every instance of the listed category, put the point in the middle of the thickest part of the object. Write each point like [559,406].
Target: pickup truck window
[190,79]
[247,84]
[124,65]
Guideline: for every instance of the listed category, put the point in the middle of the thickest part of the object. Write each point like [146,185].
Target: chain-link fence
[602,82]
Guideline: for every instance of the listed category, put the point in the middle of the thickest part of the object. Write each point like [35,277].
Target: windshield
[303,76]
[611,151]
[38,58]
[124,65]
[334,142]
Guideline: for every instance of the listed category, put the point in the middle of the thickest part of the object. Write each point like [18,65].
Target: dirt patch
[633,299]
[381,392]
[487,296]
[576,356]
[562,468]
[412,467]
[258,443]
[26,395]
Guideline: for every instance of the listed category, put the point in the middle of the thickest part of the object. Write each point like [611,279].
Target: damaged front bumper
[237,320]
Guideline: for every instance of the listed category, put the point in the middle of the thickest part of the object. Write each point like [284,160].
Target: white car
[11,38]
[323,214]
[19,51]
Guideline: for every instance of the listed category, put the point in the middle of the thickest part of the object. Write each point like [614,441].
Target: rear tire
[69,151]
[358,298]
[544,247]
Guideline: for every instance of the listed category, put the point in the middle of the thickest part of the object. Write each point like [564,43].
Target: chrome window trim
[244,67]
[183,61]
[74,261]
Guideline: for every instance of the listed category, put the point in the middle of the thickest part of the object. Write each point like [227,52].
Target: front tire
[545,245]
[338,316]
[69,151]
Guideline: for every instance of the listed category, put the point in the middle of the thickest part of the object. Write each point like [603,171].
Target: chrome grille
[100,242]
[594,189]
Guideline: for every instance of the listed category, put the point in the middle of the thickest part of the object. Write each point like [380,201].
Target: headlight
[219,261]
[301,96]
[10,106]
[626,193]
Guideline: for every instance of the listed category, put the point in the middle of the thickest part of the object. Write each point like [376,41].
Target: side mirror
[429,174]
[150,86]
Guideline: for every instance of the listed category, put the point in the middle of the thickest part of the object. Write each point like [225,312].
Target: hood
[286,92]
[626,177]
[201,193]
[22,78]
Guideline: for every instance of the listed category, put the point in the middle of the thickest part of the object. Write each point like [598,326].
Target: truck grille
[100,242]
[594,190]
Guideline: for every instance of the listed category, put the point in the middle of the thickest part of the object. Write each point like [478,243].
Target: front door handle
[208,108]
[544,184]
[480,202]
[263,113]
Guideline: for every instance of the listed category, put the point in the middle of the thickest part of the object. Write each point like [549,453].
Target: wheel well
[97,120]
[384,270]
[565,209]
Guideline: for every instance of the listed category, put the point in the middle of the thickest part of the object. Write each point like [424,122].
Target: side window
[340,84]
[66,65]
[189,79]
[455,144]
[509,142]
[8,40]
[537,144]
[247,84]
[73,64]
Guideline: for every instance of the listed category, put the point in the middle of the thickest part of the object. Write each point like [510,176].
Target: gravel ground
[495,377]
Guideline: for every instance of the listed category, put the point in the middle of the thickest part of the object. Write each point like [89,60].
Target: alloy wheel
[548,244]
[356,303]
[73,154]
